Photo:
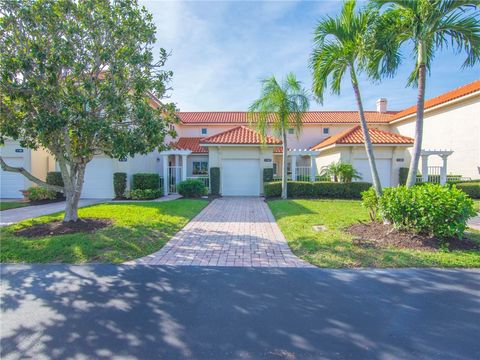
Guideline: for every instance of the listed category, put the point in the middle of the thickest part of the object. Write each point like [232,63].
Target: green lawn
[477,204]
[6,205]
[139,229]
[333,248]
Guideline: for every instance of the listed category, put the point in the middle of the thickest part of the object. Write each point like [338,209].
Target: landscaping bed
[58,227]
[335,247]
[376,234]
[120,232]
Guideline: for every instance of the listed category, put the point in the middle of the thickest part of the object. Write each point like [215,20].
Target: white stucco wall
[454,127]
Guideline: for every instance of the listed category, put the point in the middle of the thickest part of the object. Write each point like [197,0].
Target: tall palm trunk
[284,164]
[417,144]
[366,135]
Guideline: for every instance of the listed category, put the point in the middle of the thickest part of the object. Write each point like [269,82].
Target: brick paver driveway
[236,231]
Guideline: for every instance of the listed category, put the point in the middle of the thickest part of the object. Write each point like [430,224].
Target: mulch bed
[380,235]
[58,227]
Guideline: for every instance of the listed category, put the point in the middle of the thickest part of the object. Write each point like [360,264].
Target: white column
[424,168]
[443,172]
[165,175]
[313,168]
[184,167]
[294,167]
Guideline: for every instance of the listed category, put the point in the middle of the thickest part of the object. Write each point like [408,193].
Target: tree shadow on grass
[142,312]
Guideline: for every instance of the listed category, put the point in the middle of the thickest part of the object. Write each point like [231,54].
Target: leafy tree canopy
[80,78]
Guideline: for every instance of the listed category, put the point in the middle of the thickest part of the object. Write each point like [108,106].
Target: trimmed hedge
[402,175]
[145,194]
[145,181]
[472,189]
[315,190]
[215,180]
[119,184]
[267,175]
[192,188]
[55,178]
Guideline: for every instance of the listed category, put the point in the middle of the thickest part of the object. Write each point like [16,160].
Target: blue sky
[222,49]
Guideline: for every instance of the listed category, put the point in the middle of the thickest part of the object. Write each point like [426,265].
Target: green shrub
[267,175]
[441,211]
[55,178]
[119,184]
[472,189]
[370,202]
[215,181]
[36,193]
[315,190]
[144,181]
[192,188]
[402,175]
[272,189]
[145,194]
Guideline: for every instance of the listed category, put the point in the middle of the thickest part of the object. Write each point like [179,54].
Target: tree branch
[29,176]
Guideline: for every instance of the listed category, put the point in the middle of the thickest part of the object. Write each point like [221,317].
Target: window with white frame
[204,131]
[274,168]
[326,131]
[200,168]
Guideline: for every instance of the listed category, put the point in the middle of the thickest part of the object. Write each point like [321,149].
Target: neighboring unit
[225,140]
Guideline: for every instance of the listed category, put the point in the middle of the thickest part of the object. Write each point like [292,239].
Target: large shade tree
[79,78]
[424,26]
[281,106]
[341,47]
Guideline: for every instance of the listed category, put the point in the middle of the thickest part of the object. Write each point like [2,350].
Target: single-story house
[226,140]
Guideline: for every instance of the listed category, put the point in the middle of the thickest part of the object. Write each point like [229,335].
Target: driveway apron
[230,231]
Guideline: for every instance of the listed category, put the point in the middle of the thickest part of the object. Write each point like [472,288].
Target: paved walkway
[228,232]
[474,222]
[11,216]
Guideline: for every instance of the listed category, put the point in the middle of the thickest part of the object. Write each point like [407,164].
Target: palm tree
[428,25]
[280,106]
[340,46]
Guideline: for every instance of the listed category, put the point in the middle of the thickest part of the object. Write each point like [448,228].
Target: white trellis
[444,154]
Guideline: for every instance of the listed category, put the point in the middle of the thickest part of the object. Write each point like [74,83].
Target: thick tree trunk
[284,164]
[73,182]
[366,135]
[417,144]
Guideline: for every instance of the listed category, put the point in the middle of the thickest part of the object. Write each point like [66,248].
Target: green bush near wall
[471,188]
[267,175]
[215,180]
[144,181]
[119,184]
[55,178]
[402,175]
[316,190]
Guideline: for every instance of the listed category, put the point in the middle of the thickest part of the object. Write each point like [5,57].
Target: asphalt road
[141,312]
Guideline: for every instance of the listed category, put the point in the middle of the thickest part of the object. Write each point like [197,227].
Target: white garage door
[240,178]
[383,167]
[11,183]
[98,182]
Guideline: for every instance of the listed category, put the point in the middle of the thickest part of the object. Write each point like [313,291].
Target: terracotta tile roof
[448,96]
[311,117]
[239,135]
[355,136]
[189,143]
